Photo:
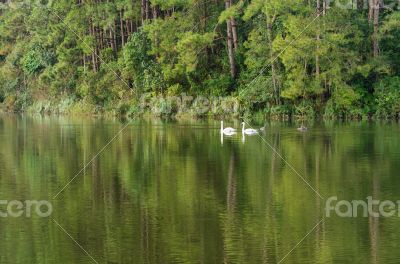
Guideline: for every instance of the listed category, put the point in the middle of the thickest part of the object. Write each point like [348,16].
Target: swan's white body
[229,131]
[248,131]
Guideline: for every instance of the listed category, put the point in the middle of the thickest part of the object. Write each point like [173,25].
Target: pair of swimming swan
[229,131]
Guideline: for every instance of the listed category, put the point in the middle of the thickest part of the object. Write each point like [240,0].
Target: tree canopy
[289,57]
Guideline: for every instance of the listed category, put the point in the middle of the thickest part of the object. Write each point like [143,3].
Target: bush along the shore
[162,106]
[385,106]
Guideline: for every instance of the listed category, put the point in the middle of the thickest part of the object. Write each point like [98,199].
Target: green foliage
[123,109]
[164,35]
[257,95]
[139,66]
[36,59]
[231,12]
[304,111]
[387,94]
[168,4]
[217,84]
[17,103]
[135,54]
[344,103]
[189,47]
[288,61]
[280,111]
[174,90]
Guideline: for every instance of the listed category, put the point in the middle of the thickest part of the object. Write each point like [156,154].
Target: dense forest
[276,57]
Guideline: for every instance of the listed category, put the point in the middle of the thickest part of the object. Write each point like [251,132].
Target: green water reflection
[171,192]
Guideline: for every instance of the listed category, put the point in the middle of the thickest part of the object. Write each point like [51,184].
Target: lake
[173,192]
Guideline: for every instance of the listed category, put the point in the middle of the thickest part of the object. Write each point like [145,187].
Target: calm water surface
[172,192]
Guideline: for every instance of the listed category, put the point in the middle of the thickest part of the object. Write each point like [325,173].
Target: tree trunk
[84,63]
[371,10]
[231,54]
[230,50]
[101,35]
[114,36]
[317,69]
[155,12]
[143,11]
[94,53]
[128,29]
[121,19]
[234,34]
[131,25]
[234,29]
[113,47]
[204,19]
[147,9]
[376,29]
[273,65]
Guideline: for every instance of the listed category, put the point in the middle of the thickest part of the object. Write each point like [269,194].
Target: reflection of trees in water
[268,235]
[231,231]
[231,189]
[167,194]
[374,221]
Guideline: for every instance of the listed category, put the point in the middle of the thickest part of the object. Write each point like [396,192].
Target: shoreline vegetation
[275,59]
[175,107]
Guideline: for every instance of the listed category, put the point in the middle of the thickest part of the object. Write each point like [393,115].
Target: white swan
[229,131]
[248,131]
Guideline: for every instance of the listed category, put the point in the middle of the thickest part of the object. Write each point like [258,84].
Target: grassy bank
[185,106]
[148,104]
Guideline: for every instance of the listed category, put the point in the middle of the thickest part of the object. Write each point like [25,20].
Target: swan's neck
[222,126]
[242,127]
